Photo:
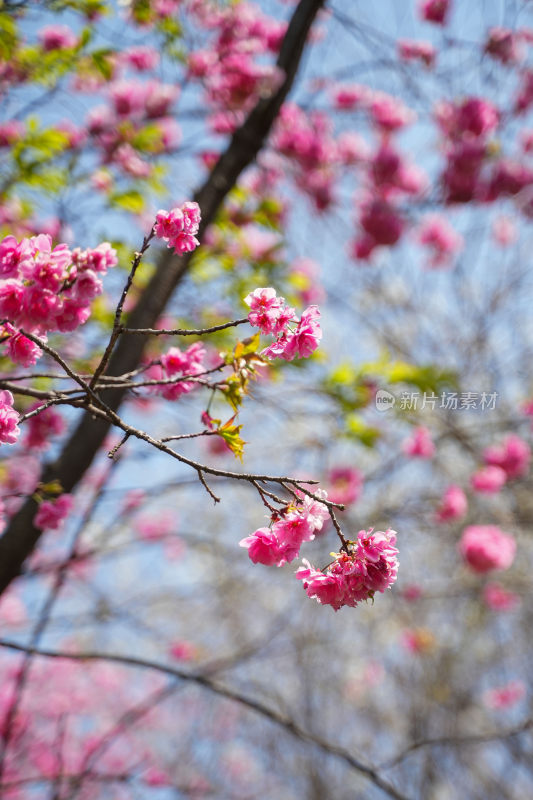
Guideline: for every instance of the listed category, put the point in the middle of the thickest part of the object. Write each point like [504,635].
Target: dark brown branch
[184,331]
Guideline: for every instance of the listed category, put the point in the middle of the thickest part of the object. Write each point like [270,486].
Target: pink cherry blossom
[12,610]
[52,513]
[389,113]
[292,530]
[71,315]
[351,148]
[344,485]
[328,588]
[10,132]
[419,444]
[349,96]
[86,287]
[128,97]
[154,776]
[418,640]
[476,116]
[170,133]
[12,255]
[435,11]
[131,162]
[382,226]
[503,697]
[57,37]
[303,341]
[40,428]
[9,430]
[503,44]
[486,548]
[281,543]
[182,651]
[179,226]
[409,50]
[504,231]
[488,480]
[412,592]
[497,598]
[315,512]
[20,349]
[268,312]
[513,456]
[141,58]
[371,566]
[175,363]
[102,180]
[264,548]
[158,98]
[453,504]
[441,239]
[154,527]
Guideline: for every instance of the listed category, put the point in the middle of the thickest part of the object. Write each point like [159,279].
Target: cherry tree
[291,238]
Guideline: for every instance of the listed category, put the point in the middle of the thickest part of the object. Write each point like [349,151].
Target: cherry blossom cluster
[271,315]
[409,50]
[502,697]
[387,114]
[280,543]
[115,128]
[45,288]
[9,418]
[486,548]
[504,45]
[40,428]
[503,463]
[52,513]
[229,69]
[345,485]
[307,139]
[370,566]
[179,226]
[435,11]
[453,505]
[419,444]
[90,696]
[442,241]
[388,176]
[177,364]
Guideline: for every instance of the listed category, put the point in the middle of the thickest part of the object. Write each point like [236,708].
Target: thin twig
[199,678]
[183,331]
[117,328]
[206,486]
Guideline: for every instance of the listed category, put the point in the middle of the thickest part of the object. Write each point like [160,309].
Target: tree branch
[21,536]
[202,679]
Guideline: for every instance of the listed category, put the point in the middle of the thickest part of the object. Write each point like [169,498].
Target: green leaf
[102,62]
[231,435]
[8,36]
[247,346]
[131,200]
[233,392]
[357,428]
[148,138]
[53,488]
